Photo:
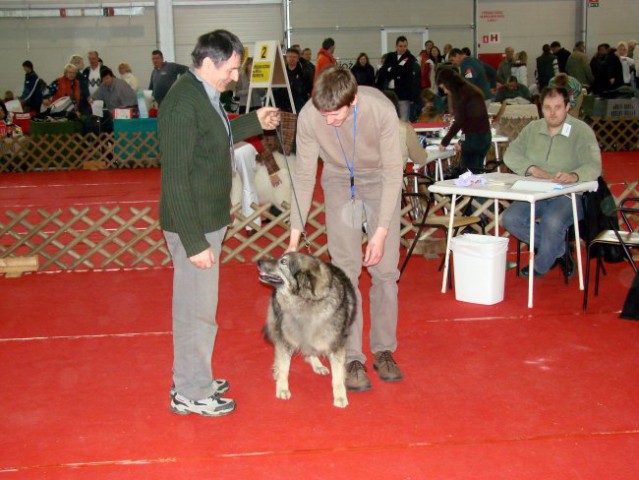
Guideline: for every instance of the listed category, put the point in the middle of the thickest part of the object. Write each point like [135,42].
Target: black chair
[416,195]
[625,240]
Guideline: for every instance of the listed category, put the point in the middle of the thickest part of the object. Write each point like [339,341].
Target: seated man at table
[559,148]
[115,93]
[512,89]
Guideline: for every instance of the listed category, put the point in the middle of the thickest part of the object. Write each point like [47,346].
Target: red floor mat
[490,392]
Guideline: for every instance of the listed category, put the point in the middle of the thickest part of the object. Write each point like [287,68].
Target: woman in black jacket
[363,71]
[471,117]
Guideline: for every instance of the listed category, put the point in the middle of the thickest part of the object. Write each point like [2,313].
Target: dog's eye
[284,261]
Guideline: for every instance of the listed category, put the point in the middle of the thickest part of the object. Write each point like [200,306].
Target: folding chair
[624,239]
[416,195]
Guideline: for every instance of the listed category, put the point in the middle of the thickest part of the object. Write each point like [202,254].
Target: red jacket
[68,88]
[324,59]
[426,67]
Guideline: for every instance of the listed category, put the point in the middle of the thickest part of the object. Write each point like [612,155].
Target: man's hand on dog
[204,259]
[375,248]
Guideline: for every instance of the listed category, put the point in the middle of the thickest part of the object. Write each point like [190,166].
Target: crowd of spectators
[414,78]
[611,72]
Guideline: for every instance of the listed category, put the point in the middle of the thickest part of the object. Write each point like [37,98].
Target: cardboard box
[622,108]
[123,113]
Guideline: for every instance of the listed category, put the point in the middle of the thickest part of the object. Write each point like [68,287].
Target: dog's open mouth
[271,279]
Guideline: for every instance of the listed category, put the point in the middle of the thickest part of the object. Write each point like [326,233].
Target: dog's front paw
[321,370]
[340,402]
[317,366]
[283,393]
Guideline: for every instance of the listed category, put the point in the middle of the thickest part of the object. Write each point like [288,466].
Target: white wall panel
[49,42]
[613,21]
[518,28]
[250,23]
[356,25]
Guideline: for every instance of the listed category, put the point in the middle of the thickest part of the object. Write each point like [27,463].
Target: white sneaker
[213,406]
[219,387]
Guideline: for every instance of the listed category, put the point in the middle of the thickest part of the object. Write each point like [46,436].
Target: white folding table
[436,155]
[498,187]
[495,140]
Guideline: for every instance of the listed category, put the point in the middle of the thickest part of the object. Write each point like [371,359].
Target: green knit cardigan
[196,163]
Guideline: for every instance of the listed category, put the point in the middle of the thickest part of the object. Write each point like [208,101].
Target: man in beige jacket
[355,131]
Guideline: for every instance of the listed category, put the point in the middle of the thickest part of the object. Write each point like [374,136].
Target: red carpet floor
[491,392]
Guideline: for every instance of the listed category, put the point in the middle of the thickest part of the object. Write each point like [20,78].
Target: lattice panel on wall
[112,238]
[87,238]
[511,127]
[271,238]
[71,152]
[616,135]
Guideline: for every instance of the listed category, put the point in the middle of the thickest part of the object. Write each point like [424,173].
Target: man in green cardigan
[196,146]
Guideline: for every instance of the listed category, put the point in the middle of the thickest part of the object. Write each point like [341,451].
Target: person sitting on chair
[68,85]
[559,148]
[512,89]
[115,93]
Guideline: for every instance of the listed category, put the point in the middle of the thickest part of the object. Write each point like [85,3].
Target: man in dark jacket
[93,73]
[561,53]
[547,67]
[164,75]
[33,86]
[299,81]
[599,65]
[398,74]
[472,70]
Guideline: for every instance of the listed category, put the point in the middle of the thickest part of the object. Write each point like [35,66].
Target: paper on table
[469,179]
[433,148]
[539,185]
[96,107]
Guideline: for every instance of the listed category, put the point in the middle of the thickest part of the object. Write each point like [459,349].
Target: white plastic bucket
[480,268]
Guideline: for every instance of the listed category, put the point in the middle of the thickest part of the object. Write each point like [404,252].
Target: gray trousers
[404,110]
[344,231]
[195,294]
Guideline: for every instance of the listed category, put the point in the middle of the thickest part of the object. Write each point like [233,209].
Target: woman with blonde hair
[519,68]
[627,64]
[69,85]
[126,74]
[78,62]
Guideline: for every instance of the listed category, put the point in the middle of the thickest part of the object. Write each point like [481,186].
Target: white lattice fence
[74,151]
[88,238]
[104,238]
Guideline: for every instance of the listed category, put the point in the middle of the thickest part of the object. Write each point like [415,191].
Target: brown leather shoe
[356,377]
[386,367]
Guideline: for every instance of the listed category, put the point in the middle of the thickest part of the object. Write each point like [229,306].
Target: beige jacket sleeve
[415,151]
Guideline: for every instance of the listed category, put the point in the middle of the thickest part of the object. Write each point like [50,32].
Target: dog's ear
[306,281]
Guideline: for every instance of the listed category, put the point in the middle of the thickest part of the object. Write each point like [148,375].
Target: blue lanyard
[350,165]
